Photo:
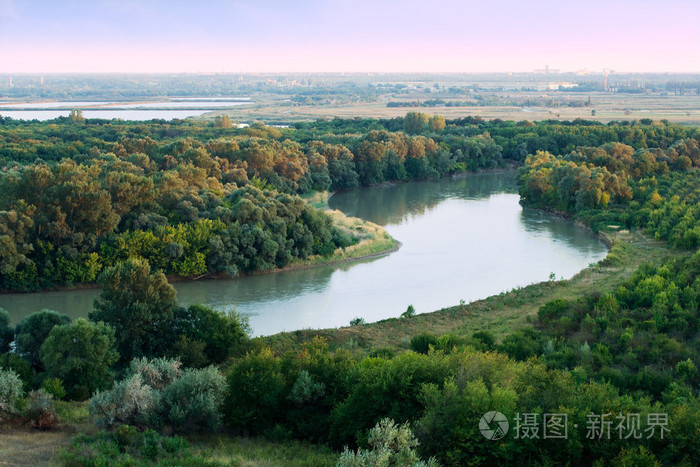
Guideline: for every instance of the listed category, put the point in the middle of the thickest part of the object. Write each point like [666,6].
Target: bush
[7,334]
[385,388]
[33,330]
[484,340]
[256,388]
[191,403]
[12,361]
[156,394]
[421,342]
[390,445]
[222,333]
[157,372]
[54,386]
[131,401]
[81,355]
[40,410]
[10,393]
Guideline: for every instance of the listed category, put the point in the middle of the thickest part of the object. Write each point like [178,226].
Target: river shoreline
[300,265]
[315,261]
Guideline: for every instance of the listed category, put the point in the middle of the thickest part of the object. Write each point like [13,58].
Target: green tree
[140,306]
[436,123]
[81,355]
[415,122]
[7,334]
[33,330]
[222,333]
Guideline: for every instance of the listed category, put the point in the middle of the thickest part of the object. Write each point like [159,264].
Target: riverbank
[499,314]
[373,242]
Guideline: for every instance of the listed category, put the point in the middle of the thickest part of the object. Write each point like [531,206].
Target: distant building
[563,84]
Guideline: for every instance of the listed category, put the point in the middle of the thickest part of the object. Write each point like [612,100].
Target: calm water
[108,114]
[123,110]
[463,239]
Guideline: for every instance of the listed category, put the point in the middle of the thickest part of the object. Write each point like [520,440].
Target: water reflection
[394,204]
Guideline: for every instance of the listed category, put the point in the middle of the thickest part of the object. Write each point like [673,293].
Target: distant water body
[140,111]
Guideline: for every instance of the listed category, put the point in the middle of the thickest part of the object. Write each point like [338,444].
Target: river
[463,239]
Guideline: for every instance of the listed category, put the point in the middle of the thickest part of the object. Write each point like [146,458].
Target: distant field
[677,109]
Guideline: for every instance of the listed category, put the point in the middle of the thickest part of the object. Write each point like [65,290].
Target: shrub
[33,330]
[10,393]
[357,321]
[12,361]
[385,388]
[484,340]
[421,342]
[156,394]
[54,386]
[81,355]
[40,410]
[256,388]
[390,445]
[131,401]
[191,403]
[409,313]
[157,372]
[7,334]
[222,333]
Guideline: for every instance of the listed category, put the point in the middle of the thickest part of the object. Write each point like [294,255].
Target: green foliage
[421,343]
[10,393]
[33,330]
[139,305]
[484,340]
[54,387]
[157,394]
[81,355]
[12,361]
[357,321]
[191,403]
[256,392]
[390,445]
[130,401]
[409,313]
[415,122]
[223,333]
[7,333]
[385,388]
[614,184]
[197,203]
[449,426]
[522,344]
[126,446]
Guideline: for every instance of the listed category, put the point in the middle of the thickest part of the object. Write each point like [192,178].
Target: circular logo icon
[493,425]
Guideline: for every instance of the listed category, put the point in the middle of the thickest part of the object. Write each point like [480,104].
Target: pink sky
[361,35]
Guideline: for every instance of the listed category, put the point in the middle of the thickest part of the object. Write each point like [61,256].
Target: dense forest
[127,203]
[198,198]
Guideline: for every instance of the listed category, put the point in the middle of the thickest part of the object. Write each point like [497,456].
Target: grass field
[607,106]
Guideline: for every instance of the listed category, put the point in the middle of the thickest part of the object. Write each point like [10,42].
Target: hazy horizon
[311,36]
